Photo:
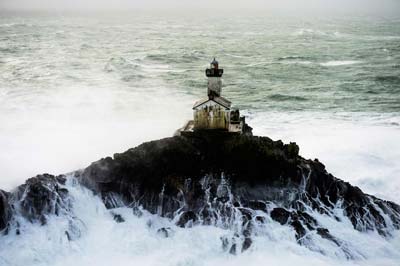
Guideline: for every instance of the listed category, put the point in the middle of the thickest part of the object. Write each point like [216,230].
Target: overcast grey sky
[392,6]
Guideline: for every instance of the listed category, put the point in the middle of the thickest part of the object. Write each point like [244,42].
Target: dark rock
[225,243]
[113,200]
[280,215]
[40,196]
[247,130]
[141,173]
[165,232]
[247,232]
[208,216]
[5,210]
[226,199]
[324,233]
[247,214]
[246,243]
[186,218]
[257,205]
[296,219]
[291,150]
[260,219]
[137,211]
[68,236]
[247,170]
[306,219]
[118,218]
[298,227]
[233,249]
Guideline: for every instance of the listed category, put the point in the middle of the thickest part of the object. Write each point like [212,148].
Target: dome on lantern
[214,64]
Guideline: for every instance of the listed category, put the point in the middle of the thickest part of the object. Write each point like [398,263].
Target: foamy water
[102,241]
[340,63]
[358,149]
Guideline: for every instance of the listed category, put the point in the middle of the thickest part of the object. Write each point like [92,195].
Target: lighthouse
[214,113]
[214,74]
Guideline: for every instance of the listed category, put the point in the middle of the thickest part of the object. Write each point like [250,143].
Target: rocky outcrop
[212,178]
[39,197]
[5,211]
[325,192]
[169,164]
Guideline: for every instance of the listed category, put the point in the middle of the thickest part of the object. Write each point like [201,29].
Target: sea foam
[340,63]
[103,241]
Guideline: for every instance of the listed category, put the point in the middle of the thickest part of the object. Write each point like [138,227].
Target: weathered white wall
[211,115]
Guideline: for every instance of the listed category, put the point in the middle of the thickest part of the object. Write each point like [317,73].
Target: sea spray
[103,241]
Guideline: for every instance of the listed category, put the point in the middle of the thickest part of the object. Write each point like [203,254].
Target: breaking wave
[284,97]
[11,25]
[340,63]
[91,234]
[311,32]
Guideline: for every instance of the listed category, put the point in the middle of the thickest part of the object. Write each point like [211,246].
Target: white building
[214,112]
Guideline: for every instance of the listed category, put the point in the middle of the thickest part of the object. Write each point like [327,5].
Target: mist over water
[75,88]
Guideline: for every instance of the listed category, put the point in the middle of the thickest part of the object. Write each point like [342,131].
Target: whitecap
[340,63]
[310,32]
[304,31]
[9,25]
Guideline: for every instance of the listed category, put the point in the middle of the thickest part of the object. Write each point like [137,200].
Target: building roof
[219,100]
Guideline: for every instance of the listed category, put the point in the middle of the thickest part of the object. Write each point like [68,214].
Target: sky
[384,6]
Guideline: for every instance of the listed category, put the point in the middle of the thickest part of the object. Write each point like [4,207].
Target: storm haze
[290,6]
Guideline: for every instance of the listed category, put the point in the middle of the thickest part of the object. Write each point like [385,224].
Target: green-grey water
[292,64]
[78,87]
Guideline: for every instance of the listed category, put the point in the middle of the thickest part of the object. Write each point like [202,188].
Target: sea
[76,87]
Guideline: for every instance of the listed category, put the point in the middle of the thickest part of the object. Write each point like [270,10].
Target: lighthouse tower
[214,75]
[214,113]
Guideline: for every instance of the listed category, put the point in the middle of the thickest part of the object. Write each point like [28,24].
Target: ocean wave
[236,56]
[388,79]
[312,32]
[120,63]
[86,46]
[9,25]
[300,62]
[284,97]
[257,64]
[380,37]
[10,50]
[90,234]
[132,77]
[295,60]
[156,57]
[340,63]
[305,31]
[168,58]
[293,57]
